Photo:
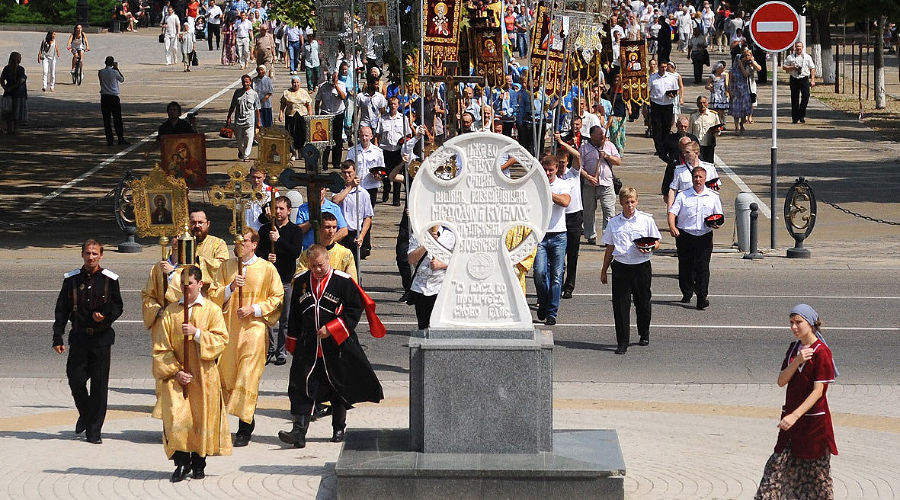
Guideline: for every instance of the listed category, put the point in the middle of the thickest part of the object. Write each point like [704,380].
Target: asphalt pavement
[695,411]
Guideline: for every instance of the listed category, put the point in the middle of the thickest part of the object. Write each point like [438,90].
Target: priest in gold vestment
[211,251]
[251,302]
[156,294]
[189,397]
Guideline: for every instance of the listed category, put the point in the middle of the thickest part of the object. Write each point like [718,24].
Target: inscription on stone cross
[480,205]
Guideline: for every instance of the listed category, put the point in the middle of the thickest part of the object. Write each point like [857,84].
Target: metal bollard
[742,220]
[754,234]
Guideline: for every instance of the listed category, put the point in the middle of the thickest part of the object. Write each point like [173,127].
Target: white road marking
[775,26]
[65,187]
[763,208]
[580,325]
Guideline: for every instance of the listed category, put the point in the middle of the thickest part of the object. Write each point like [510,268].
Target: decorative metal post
[799,216]
[123,207]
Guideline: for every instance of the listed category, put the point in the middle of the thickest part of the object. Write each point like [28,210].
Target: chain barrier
[859,215]
[47,220]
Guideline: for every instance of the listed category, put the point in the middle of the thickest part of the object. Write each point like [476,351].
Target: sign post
[774,26]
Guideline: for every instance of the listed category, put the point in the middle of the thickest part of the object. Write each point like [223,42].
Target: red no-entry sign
[774,26]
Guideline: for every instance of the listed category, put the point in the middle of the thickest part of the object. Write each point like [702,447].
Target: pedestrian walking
[229,53]
[90,299]
[800,466]
[214,17]
[187,41]
[170,29]
[15,94]
[48,54]
[802,70]
[245,107]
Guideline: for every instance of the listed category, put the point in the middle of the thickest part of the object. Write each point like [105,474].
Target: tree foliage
[294,12]
[55,12]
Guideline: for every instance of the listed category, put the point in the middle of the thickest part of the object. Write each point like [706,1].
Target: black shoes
[592,241]
[566,294]
[686,298]
[180,473]
[279,361]
[80,426]
[622,349]
[404,297]
[702,304]
[297,435]
[243,434]
[551,320]
[198,473]
[644,341]
[322,411]
[94,440]
[338,435]
[541,314]
[270,358]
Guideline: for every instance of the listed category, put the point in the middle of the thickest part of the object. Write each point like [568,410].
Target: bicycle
[78,71]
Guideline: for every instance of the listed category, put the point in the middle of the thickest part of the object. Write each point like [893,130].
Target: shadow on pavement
[120,473]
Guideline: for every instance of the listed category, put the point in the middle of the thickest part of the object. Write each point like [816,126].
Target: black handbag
[162,38]
[194,60]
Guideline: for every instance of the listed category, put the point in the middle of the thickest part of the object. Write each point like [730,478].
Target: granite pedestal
[481,426]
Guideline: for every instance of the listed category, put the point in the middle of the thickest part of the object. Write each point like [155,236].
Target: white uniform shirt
[366,160]
[356,201]
[659,85]
[427,281]
[804,63]
[558,212]
[390,130]
[370,107]
[573,176]
[621,233]
[683,180]
[588,120]
[692,208]
[214,15]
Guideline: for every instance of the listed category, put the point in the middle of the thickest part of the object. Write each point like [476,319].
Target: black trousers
[296,126]
[89,363]
[631,281]
[660,125]
[526,138]
[574,226]
[698,71]
[391,160]
[799,98]
[507,128]
[320,389]
[401,249]
[213,30]
[337,130]
[708,153]
[192,459]
[424,305]
[111,108]
[350,244]
[693,263]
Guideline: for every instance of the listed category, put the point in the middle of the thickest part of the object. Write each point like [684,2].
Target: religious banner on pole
[441,20]
[547,37]
[633,61]
[489,55]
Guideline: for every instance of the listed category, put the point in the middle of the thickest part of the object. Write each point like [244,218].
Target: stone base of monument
[481,426]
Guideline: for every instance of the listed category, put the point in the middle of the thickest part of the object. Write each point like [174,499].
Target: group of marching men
[208,359]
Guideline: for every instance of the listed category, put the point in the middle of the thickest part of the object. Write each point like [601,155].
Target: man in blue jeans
[523,24]
[295,44]
[551,251]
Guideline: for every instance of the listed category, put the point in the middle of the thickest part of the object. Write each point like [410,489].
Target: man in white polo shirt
[369,160]
[243,33]
[682,179]
[392,129]
[693,237]
[550,259]
[803,76]
[663,89]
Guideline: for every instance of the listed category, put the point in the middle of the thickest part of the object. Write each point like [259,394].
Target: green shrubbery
[54,12]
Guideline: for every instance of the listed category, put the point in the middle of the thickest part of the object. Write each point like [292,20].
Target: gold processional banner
[541,42]
[489,55]
[441,21]
[633,61]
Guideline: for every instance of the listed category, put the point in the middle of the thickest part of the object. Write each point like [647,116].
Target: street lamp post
[81,13]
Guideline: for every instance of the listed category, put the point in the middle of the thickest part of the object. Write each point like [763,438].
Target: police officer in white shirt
[663,89]
[693,237]
[631,267]
[369,160]
[803,76]
[550,259]
[682,179]
[391,130]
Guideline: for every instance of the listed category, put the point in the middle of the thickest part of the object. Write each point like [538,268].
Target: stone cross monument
[479,206]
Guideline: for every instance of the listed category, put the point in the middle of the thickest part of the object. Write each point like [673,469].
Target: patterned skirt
[617,133]
[787,477]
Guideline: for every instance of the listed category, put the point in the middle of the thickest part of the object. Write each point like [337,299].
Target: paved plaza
[695,412]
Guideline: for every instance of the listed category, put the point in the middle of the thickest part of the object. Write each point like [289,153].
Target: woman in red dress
[800,467]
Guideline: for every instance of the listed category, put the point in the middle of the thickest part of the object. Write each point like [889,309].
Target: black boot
[338,421]
[244,432]
[297,435]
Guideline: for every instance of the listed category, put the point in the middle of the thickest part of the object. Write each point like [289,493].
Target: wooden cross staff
[234,195]
[314,179]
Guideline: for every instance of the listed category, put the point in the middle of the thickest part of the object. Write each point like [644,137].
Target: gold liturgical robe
[515,236]
[211,253]
[244,359]
[339,257]
[199,423]
[152,294]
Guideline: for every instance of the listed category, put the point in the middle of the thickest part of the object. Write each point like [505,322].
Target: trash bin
[742,222]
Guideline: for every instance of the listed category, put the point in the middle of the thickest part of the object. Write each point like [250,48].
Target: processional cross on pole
[314,179]
[479,206]
[235,195]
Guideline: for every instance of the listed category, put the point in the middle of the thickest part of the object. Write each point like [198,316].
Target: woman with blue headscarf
[800,467]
